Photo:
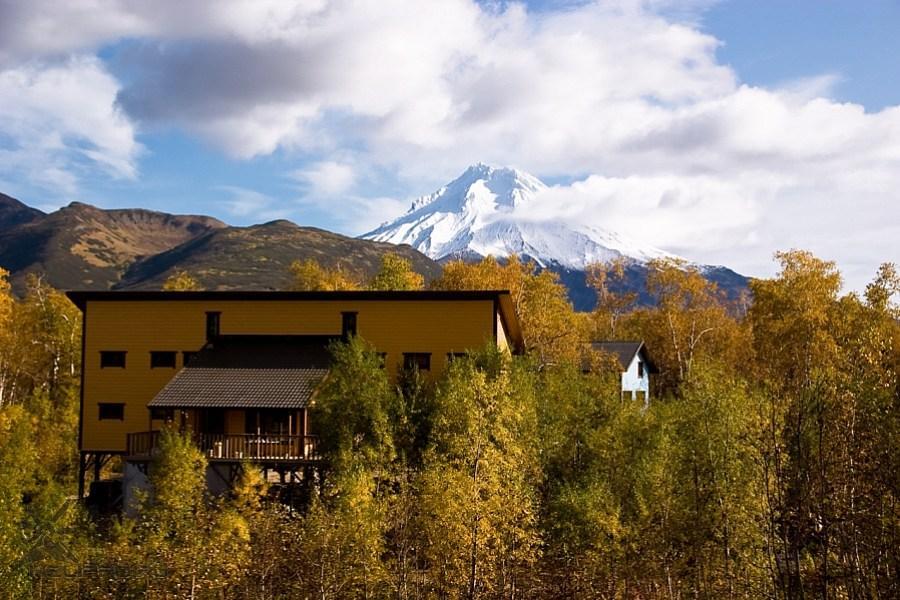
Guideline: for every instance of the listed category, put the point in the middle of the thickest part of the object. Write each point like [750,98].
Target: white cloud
[631,91]
[326,178]
[60,120]
[250,205]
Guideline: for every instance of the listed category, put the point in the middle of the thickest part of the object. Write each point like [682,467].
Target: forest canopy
[767,464]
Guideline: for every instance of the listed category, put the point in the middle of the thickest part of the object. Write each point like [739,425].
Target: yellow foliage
[181,281]
[549,324]
[396,273]
[310,276]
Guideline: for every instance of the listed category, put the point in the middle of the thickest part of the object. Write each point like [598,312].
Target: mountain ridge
[81,246]
[480,214]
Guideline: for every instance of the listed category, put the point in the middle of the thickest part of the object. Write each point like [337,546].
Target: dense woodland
[766,466]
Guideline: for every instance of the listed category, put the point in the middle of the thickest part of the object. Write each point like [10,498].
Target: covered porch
[256,435]
[243,398]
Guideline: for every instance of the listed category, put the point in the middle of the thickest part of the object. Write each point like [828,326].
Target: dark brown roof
[624,352]
[250,371]
[199,387]
[80,297]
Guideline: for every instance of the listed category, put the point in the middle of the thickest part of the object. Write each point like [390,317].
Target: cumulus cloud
[326,178]
[60,120]
[628,96]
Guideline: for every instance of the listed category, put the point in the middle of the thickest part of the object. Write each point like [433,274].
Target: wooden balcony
[232,447]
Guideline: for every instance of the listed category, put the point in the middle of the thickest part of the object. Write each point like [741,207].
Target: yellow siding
[394,327]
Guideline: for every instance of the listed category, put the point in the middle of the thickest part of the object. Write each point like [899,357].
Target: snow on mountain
[479,213]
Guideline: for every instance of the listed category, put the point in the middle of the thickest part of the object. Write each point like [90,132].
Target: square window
[451,356]
[114,411]
[162,359]
[417,360]
[112,359]
[187,356]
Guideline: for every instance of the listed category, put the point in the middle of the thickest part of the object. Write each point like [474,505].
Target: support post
[82,467]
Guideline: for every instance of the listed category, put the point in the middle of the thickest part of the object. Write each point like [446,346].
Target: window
[112,411]
[640,369]
[418,360]
[187,356]
[269,421]
[348,325]
[212,325]
[383,357]
[162,359]
[162,414]
[451,356]
[112,359]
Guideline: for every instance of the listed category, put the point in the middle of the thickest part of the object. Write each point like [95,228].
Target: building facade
[239,370]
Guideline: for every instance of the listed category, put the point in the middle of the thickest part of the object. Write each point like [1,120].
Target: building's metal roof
[198,387]
[624,352]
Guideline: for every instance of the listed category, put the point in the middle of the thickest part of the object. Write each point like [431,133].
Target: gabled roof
[624,352]
[250,371]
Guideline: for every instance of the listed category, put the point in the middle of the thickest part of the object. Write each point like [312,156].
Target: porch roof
[250,371]
[200,387]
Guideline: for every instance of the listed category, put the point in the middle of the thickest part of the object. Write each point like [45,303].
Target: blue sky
[770,122]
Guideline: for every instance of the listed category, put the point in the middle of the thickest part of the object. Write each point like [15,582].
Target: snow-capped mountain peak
[480,213]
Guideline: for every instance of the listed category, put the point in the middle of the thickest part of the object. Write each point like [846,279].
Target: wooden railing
[236,446]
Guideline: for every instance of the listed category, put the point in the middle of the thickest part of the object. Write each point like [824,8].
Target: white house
[635,365]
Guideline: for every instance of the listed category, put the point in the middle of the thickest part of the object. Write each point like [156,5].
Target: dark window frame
[419,360]
[117,411]
[157,355]
[187,356]
[107,355]
[349,324]
[451,356]
[640,369]
[162,414]
[213,325]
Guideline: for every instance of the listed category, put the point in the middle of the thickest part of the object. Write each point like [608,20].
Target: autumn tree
[181,542]
[549,325]
[310,276]
[690,320]
[611,305]
[396,273]
[10,363]
[181,281]
[477,504]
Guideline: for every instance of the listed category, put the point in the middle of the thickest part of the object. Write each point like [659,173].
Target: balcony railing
[236,446]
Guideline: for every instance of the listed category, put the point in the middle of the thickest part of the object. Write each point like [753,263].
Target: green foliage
[353,409]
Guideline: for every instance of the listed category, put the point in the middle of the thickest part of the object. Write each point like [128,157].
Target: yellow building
[239,369]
